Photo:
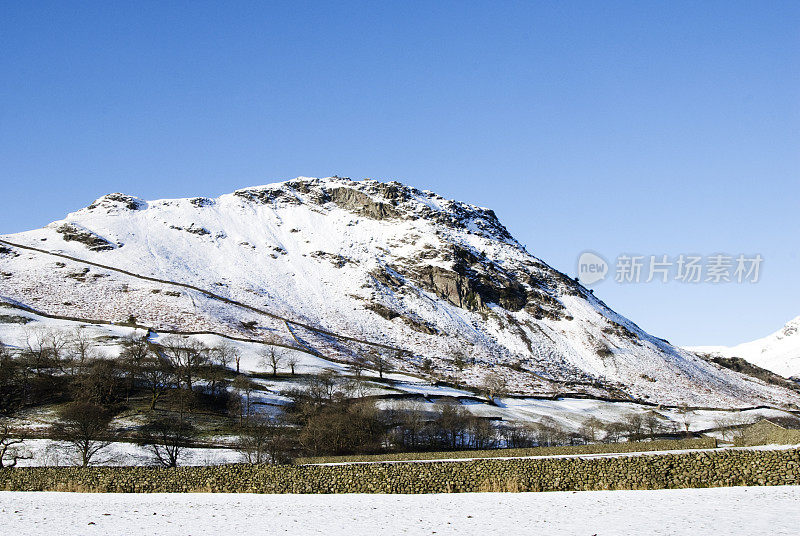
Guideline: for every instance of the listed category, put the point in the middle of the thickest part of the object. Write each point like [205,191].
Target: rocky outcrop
[118,200]
[267,195]
[201,202]
[362,204]
[94,242]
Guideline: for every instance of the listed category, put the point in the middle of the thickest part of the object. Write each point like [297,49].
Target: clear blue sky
[642,127]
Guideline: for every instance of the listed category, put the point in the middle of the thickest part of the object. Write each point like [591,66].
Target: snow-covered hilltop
[778,352]
[330,265]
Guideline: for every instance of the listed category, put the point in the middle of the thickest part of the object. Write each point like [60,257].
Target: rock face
[362,204]
[74,233]
[331,262]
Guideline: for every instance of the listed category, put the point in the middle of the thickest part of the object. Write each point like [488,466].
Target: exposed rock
[391,314]
[72,233]
[194,229]
[118,200]
[362,204]
[200,202]
[266,195]
[8,251]
[14,319]
[337,260]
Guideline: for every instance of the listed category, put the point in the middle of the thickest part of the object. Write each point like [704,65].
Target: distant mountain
[345,269]
[778,353]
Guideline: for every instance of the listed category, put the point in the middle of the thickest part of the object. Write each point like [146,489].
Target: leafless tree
[245,387]
[272,356]
[11,447]
[43,349]
[158,374]
[264,440]
[590,429]
[686,415]
[494,385]
[292,361]
[187,357]
[82,347]
[653,424]
[634,426]
[614,432]
[166,437]
[12,384]
[380,362]
[226,353]
[358,365]
[135,352]
[86,427]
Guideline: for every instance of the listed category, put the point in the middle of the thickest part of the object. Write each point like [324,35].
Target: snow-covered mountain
[778,352]
[346,268]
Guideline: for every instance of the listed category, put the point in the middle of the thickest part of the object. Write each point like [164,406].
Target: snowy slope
[317,263]
[778,353]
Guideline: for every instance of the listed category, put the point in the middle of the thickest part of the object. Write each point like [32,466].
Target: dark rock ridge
[118,200]
[380,201]
[72,233]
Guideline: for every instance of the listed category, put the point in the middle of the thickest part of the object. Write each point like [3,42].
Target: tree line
[179,381]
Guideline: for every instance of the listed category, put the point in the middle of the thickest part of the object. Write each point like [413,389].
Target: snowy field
[743,510]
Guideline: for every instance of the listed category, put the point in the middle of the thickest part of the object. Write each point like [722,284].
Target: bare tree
[494,385]
[653,424]
[11,447]
[187,357]
[324,387]
[634,426]
[245,387]
[380,362]
[358,365]
[614,432]
[226,353]
[158,374]
[166,438]
[272,356]
[57,342]
[81,346]
[264,440]
[86,427]
[36,351]
[686,415]
[590,429]
[12,384]
[135,352]
[292,361]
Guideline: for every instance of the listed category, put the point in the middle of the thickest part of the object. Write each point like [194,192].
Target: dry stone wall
[646,471]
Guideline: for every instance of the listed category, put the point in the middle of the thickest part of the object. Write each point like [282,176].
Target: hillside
[778,352]
[344,269]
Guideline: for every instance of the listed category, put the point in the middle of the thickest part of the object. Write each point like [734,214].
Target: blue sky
[620,127]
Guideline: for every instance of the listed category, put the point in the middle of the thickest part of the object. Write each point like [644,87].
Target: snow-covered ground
[731,511]
[778,352]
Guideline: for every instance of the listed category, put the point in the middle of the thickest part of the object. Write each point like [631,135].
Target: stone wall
[647,471]
[593,448]
[765,432]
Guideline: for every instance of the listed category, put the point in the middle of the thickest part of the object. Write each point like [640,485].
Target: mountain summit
[347,269]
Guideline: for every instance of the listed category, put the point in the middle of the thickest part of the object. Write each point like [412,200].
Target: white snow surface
[732,511]
[778,352]
[310,251]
